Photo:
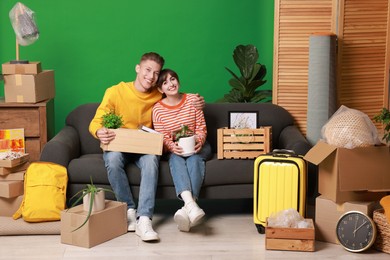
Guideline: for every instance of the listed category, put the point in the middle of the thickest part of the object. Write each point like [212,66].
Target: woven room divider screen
[362,29]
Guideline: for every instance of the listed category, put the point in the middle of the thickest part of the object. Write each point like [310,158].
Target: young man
[133,101]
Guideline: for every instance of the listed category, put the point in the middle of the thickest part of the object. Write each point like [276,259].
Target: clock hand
[364,222]
[354,231]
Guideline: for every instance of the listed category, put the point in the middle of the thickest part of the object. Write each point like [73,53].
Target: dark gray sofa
[75,148]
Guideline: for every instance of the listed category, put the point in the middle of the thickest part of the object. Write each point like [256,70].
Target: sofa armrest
[63,147]
[292,139]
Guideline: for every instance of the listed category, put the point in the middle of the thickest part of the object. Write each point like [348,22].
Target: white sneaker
[194,213]
[131,219]
[182,220]
[144,229]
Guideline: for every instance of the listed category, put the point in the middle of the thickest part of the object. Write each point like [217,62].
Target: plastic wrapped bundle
[22,20]
[350,128]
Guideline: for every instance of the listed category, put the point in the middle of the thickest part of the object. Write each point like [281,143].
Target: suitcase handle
[282,152]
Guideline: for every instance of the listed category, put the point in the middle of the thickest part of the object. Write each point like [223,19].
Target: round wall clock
[356,231]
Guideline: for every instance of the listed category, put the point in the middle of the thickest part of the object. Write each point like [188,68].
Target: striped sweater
[167,119]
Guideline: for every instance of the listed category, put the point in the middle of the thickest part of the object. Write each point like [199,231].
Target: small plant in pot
[186,140]
[112,120]
[384,118]
[93,200]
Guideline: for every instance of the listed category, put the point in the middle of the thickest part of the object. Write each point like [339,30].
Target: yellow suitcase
[279,183]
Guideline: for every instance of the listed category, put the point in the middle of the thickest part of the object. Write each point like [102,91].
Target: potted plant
[186,140]
[384,118]
[93,200]
[245,87]
[112,120]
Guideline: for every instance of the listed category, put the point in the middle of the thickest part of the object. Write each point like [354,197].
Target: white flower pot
[99,203]
[188,145]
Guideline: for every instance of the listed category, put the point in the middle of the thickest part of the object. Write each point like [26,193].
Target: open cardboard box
[351,174]
[102,226]
[135,141]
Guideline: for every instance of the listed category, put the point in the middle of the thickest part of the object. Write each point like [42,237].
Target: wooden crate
[290,239]
[243,143]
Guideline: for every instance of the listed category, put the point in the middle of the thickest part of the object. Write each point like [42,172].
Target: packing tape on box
[19,69]
[340,207]
[18,80]
[19,99]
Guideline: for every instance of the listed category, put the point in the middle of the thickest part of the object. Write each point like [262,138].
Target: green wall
[92,45]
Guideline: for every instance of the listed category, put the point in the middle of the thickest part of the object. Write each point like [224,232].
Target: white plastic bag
[23,22]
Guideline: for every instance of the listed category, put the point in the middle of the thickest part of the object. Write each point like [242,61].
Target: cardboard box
[101,226]
[11,189]
[24,88]
[291,239]
[328,213]
[135,141]
[15,176]
[243,143]
[33,67]
[8,206]
[343,172]
[15,162]
[18,168]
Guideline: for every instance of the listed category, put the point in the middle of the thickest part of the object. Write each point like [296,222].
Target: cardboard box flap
[356,176]
[319,152]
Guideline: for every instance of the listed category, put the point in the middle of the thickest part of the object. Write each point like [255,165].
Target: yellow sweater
[124,99]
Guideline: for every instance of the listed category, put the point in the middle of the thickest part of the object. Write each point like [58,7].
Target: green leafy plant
[112,120]
[245,87]
[89,189]
[384,118]
[184,131]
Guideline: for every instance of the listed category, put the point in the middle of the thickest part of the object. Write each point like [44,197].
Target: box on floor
[8,206]
[347,174]
[328,213]
[290,239]
[102,226]
[11,189]
[29,88]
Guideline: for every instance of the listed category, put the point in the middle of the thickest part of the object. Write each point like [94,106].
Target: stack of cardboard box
[11,184]
[349,179]
[27,83]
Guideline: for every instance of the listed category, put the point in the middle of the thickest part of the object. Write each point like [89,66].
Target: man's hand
[199,103]
[105,135]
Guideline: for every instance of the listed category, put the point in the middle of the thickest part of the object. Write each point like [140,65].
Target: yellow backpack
[44,192]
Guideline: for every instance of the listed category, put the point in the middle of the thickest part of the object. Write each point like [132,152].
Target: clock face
[355,231]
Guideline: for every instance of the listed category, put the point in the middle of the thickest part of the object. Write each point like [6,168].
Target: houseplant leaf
[245,57]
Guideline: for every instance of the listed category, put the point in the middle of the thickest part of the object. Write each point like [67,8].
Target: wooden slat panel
[363,47]
[363,51]
[294,22]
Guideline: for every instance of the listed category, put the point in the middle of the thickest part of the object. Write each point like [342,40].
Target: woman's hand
[177,149]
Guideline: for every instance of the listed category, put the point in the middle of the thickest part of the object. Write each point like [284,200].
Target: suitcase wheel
[260,228]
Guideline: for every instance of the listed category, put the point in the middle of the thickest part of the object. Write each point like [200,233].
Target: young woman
[169,114]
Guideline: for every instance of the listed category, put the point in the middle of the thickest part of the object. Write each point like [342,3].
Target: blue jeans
[188,172]
[115,163]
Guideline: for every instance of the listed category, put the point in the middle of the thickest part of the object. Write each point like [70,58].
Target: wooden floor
[227,233]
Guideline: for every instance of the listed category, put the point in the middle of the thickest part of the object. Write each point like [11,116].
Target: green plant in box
[384,118]
[91,190]
[112,120]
